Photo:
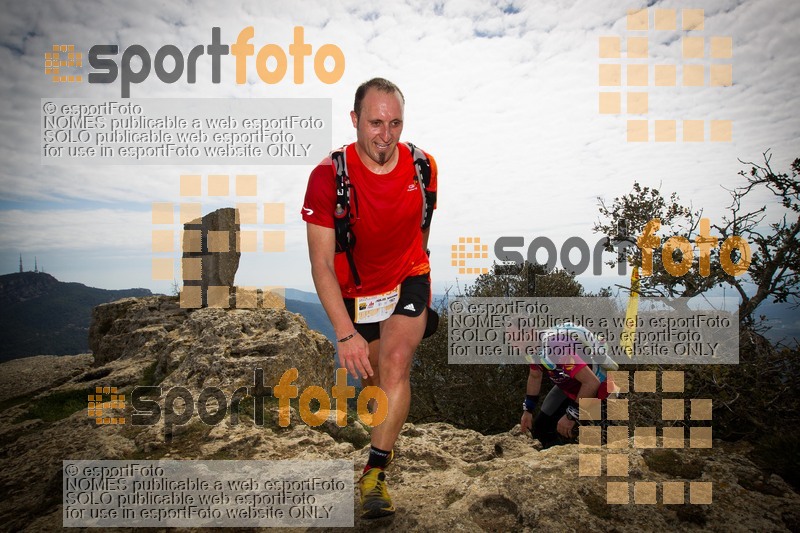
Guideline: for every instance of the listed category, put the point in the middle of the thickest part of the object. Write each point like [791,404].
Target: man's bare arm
[353,353]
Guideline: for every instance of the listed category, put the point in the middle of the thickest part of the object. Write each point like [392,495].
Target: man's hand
[354,356]
[527,421]
[565,427]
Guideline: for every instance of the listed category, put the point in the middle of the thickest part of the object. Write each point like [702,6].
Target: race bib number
[376,308]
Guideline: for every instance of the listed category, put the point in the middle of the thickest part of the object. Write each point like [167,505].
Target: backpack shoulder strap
[422,167]
[341,215]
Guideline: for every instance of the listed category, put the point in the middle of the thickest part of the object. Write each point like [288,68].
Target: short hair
[379,84]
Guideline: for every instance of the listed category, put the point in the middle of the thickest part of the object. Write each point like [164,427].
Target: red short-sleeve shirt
[388,210]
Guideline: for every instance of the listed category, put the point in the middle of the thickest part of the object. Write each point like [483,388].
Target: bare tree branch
[775,259]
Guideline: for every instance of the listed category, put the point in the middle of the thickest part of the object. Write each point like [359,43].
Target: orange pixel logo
[469,248]
[639,75]
[97,405]
[63,55]
[617,460]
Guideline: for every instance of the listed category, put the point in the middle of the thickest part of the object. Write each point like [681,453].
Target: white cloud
[504,94]
[66,230]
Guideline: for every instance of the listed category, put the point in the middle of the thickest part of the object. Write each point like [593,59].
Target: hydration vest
[347,203]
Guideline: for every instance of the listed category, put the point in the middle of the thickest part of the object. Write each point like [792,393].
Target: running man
[377,294]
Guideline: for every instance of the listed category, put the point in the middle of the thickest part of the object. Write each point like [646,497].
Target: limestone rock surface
[443,478]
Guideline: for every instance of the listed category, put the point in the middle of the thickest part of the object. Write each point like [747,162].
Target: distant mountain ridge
[315,316]
[302,296]
[41,315]
[22,286]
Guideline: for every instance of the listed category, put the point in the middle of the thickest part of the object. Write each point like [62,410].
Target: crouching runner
[576,362]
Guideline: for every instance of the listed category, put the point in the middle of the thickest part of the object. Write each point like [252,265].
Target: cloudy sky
[504,94]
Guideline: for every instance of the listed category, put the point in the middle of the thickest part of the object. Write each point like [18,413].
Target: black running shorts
[415,292]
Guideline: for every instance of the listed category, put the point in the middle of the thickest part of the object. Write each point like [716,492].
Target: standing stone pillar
[210,259]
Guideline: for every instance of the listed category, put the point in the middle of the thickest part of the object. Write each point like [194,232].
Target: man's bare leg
[400,336]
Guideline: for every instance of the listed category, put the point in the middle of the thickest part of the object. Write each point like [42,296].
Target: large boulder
[204,347]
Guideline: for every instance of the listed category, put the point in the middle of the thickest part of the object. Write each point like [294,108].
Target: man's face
[379,125]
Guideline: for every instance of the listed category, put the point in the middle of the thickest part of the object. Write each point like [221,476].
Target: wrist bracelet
[345,339]
[530,402]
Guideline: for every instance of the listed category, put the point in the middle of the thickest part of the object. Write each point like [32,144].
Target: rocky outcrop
[129,328]
[444,478]
[32,375]
[208,347]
